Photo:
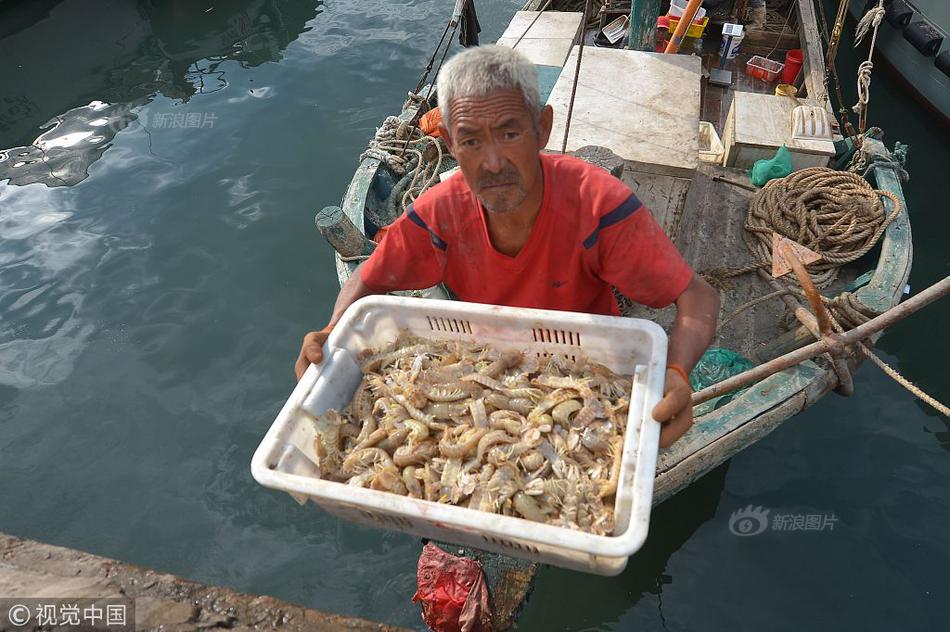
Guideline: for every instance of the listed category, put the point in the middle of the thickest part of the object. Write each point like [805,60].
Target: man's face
[496,142]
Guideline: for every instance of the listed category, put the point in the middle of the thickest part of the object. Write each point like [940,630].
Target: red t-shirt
[590,234]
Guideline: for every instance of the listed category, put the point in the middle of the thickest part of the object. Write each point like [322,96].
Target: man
[526,229]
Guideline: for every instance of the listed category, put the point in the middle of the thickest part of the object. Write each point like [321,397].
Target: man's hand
[311,351]
[675,410]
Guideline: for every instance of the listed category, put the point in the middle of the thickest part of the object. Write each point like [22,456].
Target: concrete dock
[162,601]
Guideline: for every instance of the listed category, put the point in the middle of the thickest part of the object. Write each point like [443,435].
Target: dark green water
[151,310]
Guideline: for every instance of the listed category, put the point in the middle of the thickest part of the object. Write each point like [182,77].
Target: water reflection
[44,265]
[64,99]
[74,140]
[129,52]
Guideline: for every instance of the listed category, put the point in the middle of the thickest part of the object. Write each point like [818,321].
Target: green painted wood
[757,399]
[345,238]
[742,435]
[889,278]
[643,17]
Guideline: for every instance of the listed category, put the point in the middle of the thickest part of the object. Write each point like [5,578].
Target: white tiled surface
[642,106]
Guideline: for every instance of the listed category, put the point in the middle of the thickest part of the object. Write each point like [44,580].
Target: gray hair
[481,70]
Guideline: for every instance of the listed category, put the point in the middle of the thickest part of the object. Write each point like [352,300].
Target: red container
[763,68]
[793,63]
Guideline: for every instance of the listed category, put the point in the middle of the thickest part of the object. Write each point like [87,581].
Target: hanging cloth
[468,34]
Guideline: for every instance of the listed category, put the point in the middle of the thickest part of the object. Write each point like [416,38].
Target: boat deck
[707,228]
[705,217]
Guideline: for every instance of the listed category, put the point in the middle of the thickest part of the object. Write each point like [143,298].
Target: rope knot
[871,19]
[864,85]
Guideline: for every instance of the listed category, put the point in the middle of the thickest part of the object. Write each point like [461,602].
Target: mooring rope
[850,308]
[903,381]
[870,21]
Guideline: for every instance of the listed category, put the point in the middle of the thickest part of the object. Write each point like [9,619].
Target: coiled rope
[409,153]
[838,215]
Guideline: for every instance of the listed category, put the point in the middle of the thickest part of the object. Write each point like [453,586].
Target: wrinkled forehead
[487,110]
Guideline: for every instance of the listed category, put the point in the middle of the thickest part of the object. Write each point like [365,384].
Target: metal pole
[692,7]
[845,381]
[827,344]
[577,74]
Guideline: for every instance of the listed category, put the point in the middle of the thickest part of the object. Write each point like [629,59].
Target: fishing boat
[913,39]
[688,162]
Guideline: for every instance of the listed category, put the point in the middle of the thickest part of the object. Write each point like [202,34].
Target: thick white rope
[870,22]
[386,134]
[396,144]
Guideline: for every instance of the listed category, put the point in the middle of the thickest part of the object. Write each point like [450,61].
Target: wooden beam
[643,17]
[814,59]
[765,42]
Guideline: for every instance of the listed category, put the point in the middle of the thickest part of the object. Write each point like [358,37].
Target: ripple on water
[44,267]
[62,155]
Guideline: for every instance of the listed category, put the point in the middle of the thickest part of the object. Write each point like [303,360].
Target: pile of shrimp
[498,431]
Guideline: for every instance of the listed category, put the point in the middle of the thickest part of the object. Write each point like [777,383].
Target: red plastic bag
[453,592]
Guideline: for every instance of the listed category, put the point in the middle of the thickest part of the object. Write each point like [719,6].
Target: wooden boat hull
[751,415]
[719,435]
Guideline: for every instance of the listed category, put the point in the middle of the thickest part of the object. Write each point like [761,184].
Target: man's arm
[311,351]
[697,312]
[406,259]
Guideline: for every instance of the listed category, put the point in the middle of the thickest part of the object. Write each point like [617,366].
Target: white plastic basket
[710,146]
[678,8]
[286,459]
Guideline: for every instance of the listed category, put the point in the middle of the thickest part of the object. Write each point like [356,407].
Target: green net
[716,365]
[778,167]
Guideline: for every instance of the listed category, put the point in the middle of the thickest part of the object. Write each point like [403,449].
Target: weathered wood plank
[752,430]
[760,124]
[814,59]
[765,42]
[789,341]
[626,101]
[665,196]
[759,398]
